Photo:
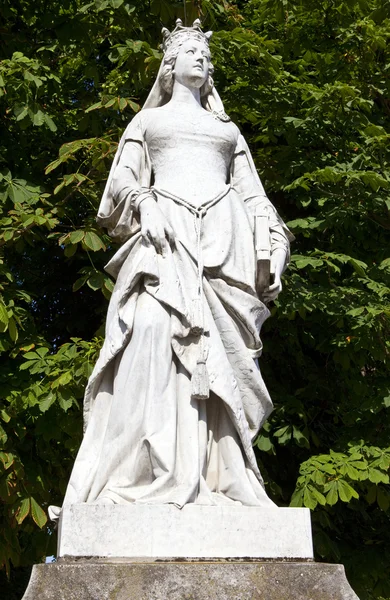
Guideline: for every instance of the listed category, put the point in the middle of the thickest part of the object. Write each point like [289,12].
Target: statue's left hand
[274,290]
[278,262]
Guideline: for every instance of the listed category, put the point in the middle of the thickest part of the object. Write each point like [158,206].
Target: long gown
[147,438]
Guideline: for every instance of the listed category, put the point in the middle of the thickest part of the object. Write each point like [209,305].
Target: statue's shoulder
[236,133]
[145,117]
[236,129]
[138,124]
[134,125]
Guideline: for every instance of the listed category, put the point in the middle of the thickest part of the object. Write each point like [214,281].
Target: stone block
[164,531]
[89,580]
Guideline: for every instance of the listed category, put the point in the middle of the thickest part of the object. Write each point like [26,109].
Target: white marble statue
[176,396]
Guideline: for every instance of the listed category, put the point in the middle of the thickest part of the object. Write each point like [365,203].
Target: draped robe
[147,439]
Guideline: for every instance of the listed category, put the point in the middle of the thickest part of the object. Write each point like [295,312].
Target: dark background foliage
[308,84]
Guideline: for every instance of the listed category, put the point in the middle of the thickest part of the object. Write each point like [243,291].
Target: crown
[181,33]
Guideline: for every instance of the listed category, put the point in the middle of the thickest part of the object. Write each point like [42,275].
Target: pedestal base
[195,531]
[89,580]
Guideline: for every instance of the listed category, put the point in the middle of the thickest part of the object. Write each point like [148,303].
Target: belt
[199,379]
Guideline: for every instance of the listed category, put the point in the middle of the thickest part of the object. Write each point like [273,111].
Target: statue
[176,396]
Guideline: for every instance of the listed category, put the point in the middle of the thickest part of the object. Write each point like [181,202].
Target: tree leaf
[297,498]
[300,438]
[346,492]
[96,281]
[332,496]
[76,236]
[65,403]
[70,250]
[23,510]
[79,283]
[46,403]
[37,513]
[383,499]
[3,315]
[65,378]
[5,416]
[309,499]
[3,435]
[38,118]
[7,459]
[12,330]
[264,443]
[109,284]
[42,351]
[94,107]
[377,476]
[50,123]
[93,241]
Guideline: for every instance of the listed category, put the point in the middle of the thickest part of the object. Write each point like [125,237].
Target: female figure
[176,397]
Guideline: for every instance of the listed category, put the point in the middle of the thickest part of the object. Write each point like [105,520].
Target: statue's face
[192,64]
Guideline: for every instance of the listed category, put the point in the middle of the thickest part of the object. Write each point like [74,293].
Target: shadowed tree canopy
[308,84]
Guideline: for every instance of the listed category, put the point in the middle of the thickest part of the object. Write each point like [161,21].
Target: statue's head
[187,58]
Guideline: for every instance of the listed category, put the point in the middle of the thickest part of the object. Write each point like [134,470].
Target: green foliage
[307,82]
[40,433]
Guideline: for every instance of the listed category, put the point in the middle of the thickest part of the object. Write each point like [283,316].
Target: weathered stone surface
[87,580]
[163,531]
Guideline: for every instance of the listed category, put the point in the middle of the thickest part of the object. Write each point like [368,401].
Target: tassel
[200,381]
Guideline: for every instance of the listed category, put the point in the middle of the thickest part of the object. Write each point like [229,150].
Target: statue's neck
[183,95]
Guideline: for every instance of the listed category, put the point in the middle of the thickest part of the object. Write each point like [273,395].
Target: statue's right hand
[155,228]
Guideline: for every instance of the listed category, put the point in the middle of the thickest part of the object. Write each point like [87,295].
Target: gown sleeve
[130,174]
[247,184]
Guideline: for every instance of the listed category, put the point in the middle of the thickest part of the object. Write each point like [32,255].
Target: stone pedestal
[91,580]
[146,552]
[195,531]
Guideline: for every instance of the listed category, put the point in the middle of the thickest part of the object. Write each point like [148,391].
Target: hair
[167,77]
